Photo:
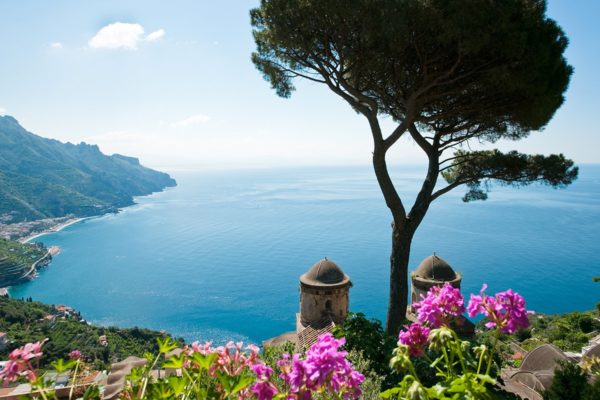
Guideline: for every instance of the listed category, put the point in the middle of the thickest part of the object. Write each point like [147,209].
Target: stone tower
[324,295]
[433,271]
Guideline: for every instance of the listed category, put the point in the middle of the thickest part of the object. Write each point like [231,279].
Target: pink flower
[440,305]
[20,362]
[263,389]
[324,368]
[30,350]
[203,349]
[10,372]
[75,355]
[505,311]
[415,337]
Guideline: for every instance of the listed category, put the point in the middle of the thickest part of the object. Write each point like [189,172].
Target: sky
[171,82]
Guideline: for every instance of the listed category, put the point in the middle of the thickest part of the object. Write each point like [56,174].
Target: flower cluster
[75,355]
[505,311]
[415,337]
[263,388]
[231,359]
[455,361]
[19,363]
[440,306]
[324,368]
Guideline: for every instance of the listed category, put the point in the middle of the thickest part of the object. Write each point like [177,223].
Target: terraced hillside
[16,260]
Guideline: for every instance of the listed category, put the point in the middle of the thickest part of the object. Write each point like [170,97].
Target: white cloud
[156,35]
[193,120]
[3,111]
[121,35]
[56,45]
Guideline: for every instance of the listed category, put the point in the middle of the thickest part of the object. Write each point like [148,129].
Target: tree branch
[447,189]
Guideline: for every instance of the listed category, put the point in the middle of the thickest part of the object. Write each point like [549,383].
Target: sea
[219,256]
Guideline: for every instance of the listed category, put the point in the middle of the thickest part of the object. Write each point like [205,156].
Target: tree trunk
[401,241]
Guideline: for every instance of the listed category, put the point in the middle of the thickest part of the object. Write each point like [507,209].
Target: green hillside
[44,178]
[16,260]
[26,322]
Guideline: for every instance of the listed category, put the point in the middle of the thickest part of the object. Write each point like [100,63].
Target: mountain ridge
[45,178]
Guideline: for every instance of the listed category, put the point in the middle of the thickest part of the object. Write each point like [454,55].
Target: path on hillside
[52,251]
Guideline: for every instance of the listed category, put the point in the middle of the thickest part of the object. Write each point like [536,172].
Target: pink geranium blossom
[415,337]
[440,306]
[203,349]
[506,310]
[19,363]
[324,368]
[11,372]
[263,389]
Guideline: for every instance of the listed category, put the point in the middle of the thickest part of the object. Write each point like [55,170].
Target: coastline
[53,229]
[51,252]
[32,272]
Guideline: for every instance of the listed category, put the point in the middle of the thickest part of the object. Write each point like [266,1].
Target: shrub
[569,383]
[367,337]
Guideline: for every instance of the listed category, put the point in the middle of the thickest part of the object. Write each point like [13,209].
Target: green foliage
[375,345]
[367,337]
[569,383]
[463,371]
[24,323]
[478,168]
[497,66]
[41,178]
[569,331]
[16,260]
[373,383]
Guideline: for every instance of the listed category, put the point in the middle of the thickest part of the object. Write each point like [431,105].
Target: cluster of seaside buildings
[23,229]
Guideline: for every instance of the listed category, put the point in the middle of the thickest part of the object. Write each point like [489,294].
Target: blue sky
[181,92]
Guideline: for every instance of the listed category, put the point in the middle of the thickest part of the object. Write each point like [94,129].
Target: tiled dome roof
[435,268]
[324,272]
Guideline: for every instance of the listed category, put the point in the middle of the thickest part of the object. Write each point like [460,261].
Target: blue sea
[219,256]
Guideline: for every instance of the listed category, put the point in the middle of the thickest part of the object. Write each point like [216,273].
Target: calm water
[219,256]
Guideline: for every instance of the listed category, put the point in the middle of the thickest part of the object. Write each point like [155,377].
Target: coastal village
[27,230]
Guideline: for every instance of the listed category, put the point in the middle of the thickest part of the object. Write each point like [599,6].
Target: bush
[367,337]
[569,383]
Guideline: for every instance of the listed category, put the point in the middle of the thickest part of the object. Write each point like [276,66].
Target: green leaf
[177,384]
[242,382]
[225,381]
[204,361]
[61,365]
[166,345]
[390,392]
[92,393]
[175,362]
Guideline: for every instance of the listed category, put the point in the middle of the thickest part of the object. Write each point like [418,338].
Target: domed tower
[324,294]
[433,271]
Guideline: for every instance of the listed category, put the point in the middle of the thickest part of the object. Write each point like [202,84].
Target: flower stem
[74,380]
[448,363]
[496,340]
[147,377]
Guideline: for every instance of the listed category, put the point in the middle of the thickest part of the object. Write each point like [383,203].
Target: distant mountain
[44,178]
